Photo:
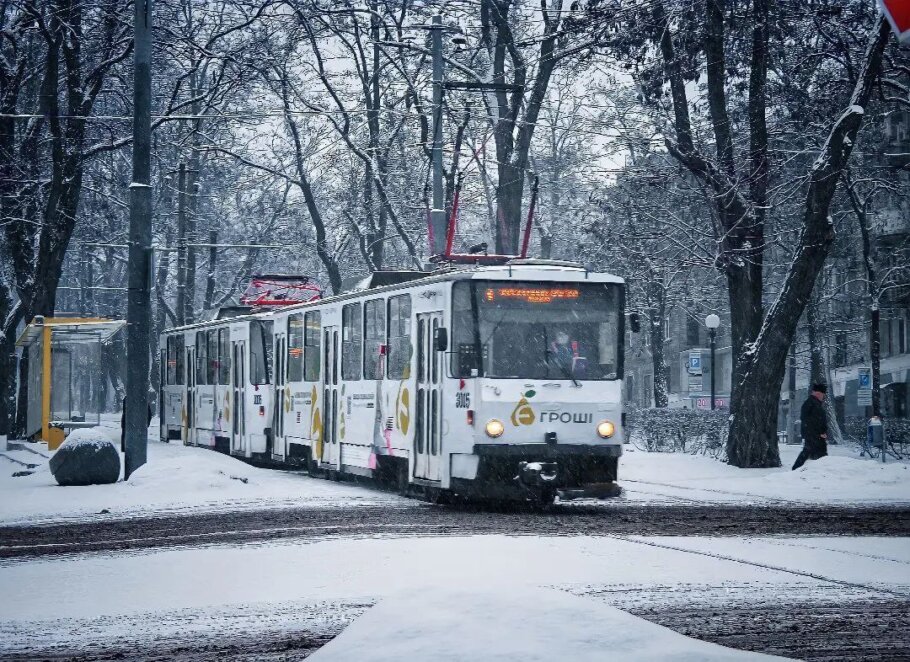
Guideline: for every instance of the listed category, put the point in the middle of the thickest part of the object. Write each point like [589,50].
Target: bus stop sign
[898,14]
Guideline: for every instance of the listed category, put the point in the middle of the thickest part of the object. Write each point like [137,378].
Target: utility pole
[438,213]
[138,312]
[792,437]
[192,189]
[181,245]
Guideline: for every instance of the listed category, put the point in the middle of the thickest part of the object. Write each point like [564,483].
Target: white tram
[497,381]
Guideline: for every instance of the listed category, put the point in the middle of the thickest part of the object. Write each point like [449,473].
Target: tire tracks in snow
[767,566]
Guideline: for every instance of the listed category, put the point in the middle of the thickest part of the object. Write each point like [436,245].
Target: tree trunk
[657,313]
[752,441]
[861,209]
[210,271]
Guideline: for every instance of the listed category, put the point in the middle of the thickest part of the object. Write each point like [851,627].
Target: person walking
[813,426]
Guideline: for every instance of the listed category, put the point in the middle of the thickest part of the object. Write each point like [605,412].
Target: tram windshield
[540,330]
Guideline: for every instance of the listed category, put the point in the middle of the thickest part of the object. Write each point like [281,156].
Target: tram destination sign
[531,294]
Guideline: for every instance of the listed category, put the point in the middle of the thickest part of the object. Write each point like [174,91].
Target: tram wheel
[312,467]
[402,480]
[545,497]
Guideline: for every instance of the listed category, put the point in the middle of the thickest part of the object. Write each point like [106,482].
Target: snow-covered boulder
[87,457]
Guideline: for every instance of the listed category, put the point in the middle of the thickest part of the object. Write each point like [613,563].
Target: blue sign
[865,378]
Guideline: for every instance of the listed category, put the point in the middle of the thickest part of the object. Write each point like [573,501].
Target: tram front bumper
[586,469]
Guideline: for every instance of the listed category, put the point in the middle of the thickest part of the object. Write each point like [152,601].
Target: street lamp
[712,321]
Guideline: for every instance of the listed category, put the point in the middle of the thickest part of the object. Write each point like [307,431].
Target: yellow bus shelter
[64,374]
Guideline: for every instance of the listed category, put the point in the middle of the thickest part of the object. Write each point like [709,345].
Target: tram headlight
[606,429]
[494,428]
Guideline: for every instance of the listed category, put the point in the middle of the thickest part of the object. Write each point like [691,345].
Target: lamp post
[712,321]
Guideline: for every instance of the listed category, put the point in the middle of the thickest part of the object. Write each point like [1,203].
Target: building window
[667,328]
[693,331]
[840,350]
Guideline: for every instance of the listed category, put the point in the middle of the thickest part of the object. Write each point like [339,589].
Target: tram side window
[260,351]
[201,359]
[399,337]
[374,338]
[175,360]
[211,341]
[312,344]
[351,341]
[224,356]
[295,348]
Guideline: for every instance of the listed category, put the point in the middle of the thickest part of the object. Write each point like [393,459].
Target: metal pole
[138,313]
[791,398]
[437,214]
[713,333]
[181,245]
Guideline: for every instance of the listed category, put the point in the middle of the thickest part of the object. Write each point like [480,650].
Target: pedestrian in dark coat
[813,426]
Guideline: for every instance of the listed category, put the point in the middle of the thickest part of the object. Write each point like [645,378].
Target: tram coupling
[537,474]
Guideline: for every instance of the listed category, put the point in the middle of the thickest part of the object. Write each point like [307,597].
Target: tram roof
[528,269]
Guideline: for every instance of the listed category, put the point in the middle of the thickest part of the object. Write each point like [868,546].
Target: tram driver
[564,356]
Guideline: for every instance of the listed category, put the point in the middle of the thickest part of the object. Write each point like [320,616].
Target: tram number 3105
[462,400]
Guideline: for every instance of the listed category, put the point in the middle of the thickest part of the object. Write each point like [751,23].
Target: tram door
[189,437]
[279,406]
[238,379]
[330,395]
[427,436]
[281,402]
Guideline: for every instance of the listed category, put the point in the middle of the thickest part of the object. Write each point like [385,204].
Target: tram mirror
[441,339]
[634,322]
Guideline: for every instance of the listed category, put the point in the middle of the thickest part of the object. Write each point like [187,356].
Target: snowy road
[413,518]
[202,557]
[813,597]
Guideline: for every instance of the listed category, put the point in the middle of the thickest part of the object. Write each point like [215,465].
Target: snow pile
[92,437]
[176,479]
[524,624]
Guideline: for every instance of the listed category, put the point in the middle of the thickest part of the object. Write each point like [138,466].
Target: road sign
[865,378]
[898,14]
[864,397]
[695,362]
[695,385]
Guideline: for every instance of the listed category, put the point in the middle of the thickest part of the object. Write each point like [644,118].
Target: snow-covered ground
[95,601]
[841,478]
[177,479]
[495,626]
[180,479]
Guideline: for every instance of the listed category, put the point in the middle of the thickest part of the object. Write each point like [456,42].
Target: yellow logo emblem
[316,424]
[523,414]
[403,410]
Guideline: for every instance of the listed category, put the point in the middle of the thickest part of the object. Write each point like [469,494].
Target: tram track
[419,519]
